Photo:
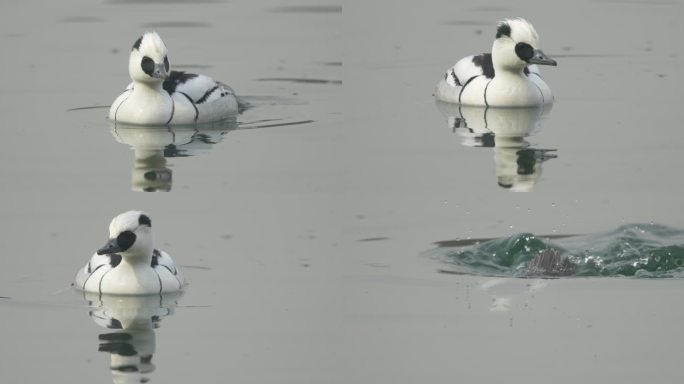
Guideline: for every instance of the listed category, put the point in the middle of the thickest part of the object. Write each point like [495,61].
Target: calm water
[303,226]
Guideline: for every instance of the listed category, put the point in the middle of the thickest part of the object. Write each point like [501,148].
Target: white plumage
[507,77]
[159,96]
[129,264]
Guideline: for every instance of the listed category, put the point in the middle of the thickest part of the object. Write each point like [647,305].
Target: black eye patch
[166,63]
[147,65]
[144,220]
[125,240]
[524,51]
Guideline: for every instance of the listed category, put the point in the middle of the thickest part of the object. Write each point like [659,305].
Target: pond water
[314,228]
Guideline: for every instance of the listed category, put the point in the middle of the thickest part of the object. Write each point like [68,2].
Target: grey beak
[540,58]
[112,246]
[160,72]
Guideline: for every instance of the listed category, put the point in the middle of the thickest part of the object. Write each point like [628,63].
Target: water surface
[303,240]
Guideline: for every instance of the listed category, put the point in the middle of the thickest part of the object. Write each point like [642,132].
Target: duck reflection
[130,339]
[518,164]
[153,145]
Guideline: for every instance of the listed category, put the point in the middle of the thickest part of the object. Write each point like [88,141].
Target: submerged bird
[507,77]
[159,96]
[129,264]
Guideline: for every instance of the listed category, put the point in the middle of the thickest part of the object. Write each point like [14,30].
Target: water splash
[640,250]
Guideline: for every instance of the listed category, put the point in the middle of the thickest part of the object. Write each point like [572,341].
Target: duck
[128,264]
[159,96]
[507,77]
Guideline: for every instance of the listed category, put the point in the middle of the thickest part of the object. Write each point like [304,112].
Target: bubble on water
[510,226]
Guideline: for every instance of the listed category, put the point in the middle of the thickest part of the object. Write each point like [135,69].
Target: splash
[639,250]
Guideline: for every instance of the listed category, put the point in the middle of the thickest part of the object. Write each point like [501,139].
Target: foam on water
[639,250]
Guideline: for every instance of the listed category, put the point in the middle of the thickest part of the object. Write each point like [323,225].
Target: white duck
[129,264]
[507,77]
[159,96]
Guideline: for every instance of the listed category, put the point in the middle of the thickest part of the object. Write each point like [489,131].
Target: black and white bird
[129,264]
[507,77]
[159,96]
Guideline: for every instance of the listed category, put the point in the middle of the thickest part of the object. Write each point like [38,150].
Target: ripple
[639,250]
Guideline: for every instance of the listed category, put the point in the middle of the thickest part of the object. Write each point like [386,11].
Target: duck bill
[540,58]
[112,246]
[160,72]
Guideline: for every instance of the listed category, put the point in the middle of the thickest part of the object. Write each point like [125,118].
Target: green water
[639,250]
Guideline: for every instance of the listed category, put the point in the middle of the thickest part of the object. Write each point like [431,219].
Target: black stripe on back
[206,95]
[175,79]
[453,74]
[485,62]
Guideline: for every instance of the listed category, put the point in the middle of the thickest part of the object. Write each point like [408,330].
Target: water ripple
[639,250]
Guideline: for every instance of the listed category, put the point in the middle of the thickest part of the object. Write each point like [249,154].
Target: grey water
[303,226]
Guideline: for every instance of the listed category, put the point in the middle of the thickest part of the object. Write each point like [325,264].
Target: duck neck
[149,88]
[507,70]
[137,259]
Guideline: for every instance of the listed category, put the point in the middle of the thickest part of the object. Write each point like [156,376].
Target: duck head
[149,62]
[130,234]
[517,45]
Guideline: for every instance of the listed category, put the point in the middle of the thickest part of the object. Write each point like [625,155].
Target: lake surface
[308,227]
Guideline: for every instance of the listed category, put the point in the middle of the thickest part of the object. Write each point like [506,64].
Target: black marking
[485,100]
[526,71]
[114,259]
[485,62]
[125,368]
[144,220]
[89,276]
[175,79]
[173,110]
[147,65]
[453,74]
[146,359]
[526,162]
[503,30]
[166,63]
[119,106]
[116,336]
[193,104]
[99,286]
[136,45]
[206,95]
[464,87]
[159,278]
[155,258]
[118,348]
[115,324]
[125,240]
[524,51]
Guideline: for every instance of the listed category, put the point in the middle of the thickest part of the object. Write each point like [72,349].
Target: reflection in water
[518,165]
[153,145]
[130,339]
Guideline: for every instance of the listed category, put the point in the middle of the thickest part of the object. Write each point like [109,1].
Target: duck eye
[147,65]
[524,51]
[166,63]
[125,240]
